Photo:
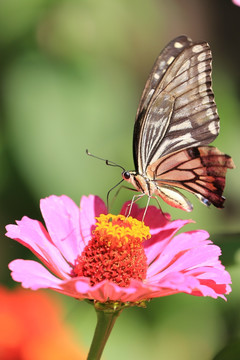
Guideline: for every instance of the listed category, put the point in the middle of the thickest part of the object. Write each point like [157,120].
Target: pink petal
[214,281]
[176,281]
[218,275]
[179,282]
[90,207]
[61,216]
[176,254]
[159,241]
[213,290]
[33,275]
[33,235]
[107,290]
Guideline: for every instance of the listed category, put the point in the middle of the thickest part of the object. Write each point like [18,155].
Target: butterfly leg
[134,200]
[145,211]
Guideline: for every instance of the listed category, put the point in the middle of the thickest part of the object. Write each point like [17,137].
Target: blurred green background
[72,73]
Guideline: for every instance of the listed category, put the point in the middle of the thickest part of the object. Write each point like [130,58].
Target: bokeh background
[72,73]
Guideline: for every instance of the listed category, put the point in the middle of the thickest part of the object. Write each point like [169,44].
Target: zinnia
[115,258]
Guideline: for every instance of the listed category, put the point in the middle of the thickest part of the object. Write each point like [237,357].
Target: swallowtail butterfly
[176,120]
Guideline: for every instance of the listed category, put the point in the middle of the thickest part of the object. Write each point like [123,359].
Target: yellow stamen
[119,229]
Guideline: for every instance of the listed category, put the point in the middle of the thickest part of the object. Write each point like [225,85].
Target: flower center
[115,251]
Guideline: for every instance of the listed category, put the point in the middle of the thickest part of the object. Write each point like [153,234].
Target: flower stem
[105,322]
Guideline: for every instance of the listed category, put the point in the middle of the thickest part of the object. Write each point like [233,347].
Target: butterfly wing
[177,108]
[200,170]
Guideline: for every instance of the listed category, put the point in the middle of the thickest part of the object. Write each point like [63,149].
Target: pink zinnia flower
[116,258]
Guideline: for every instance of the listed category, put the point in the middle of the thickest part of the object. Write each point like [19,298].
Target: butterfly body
[176,120]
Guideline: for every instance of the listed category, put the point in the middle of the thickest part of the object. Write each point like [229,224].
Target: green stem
[105,322]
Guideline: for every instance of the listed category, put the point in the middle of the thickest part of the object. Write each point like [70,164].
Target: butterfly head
[128,176]
[131,177]
[139,182]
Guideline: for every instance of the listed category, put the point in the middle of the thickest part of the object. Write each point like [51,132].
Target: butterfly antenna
[108,162]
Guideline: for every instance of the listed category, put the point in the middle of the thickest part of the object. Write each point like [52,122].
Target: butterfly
[176,120]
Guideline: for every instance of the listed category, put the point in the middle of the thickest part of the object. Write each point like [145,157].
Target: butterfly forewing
[193,119]
[170,52]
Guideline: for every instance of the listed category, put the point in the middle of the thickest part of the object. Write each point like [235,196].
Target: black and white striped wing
[177,108]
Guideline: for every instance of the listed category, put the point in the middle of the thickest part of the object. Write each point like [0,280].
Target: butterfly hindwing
[200,170]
